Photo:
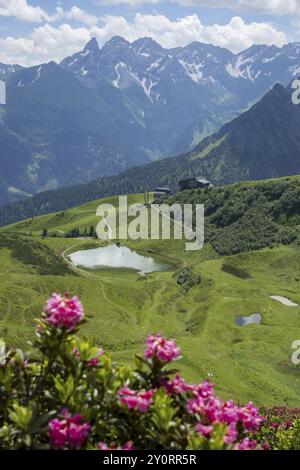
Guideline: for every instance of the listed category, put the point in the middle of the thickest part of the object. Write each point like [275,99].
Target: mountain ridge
[124,105]
[257,145]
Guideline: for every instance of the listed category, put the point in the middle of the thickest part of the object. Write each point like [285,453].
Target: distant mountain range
[102,111]
[262,143]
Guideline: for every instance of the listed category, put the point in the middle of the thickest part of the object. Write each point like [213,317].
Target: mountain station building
[194,183]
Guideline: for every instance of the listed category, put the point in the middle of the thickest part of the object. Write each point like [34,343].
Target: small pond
[254,319]
[114,256]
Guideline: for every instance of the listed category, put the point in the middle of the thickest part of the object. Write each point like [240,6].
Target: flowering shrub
[160,349]
[281,428]
[69,394]
[63,312]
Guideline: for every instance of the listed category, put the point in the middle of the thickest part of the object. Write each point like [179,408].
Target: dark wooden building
[159,193]
[194,183]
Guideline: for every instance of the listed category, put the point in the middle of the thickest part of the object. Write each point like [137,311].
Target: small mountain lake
[254,319]
[117,257]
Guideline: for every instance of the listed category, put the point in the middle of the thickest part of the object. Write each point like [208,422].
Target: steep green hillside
[55,132]
[197,302]
[248,216]
[262,143]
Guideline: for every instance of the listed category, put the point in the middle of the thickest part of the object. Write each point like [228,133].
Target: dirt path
[72,265]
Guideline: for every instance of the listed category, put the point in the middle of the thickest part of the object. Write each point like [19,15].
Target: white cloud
[132,3]
[45,43]
[77,14]
[54,43]
[22,10]
[275,7]
[236,35]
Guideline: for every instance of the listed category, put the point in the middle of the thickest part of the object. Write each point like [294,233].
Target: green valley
[252,252]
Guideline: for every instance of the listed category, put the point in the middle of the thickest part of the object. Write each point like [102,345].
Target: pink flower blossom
[177,386]
[204,430]
[78,434]
[58,431]
[266,446]
[140,401]
[230,412]
[246,444]
[212,410]
[204,390]
[70,431]
[95,360]
[64,312]
[162,349]
[231,435]
[128,446]
[250,417]
[195,406]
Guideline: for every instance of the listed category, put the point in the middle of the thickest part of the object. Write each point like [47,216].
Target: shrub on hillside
[246,217]
[281,428]
[187,279]
[69,394]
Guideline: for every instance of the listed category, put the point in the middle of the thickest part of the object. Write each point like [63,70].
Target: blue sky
[35,31]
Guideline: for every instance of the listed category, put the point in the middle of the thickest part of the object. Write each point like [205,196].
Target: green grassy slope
[247,363]
[82,217]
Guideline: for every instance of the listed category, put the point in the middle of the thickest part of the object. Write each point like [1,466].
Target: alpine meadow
[149,229]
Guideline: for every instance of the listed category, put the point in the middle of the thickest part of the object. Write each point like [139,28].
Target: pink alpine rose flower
[95,360]
[161,349]
[231,435]
[58,431]
[204,430]
[204,390]
[250,417]
[78,432]
[64,312]
[70,431]
[246,444]
[211,410]
[140,401]
[177,385]
[128,446]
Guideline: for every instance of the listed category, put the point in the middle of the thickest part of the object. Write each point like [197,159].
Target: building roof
[163,190]
[203,180]
[200,179]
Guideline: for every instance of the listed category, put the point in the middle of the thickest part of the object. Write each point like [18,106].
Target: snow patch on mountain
[155,65]
[295,70]
[126,77]
[21,84]
[118,70]
[193,70]
[85,53]
[8,69]
[236,70]
[266,60]
[83,71]
[146,84]
[243,68]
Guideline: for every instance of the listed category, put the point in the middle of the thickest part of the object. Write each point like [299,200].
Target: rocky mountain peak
[92,45]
